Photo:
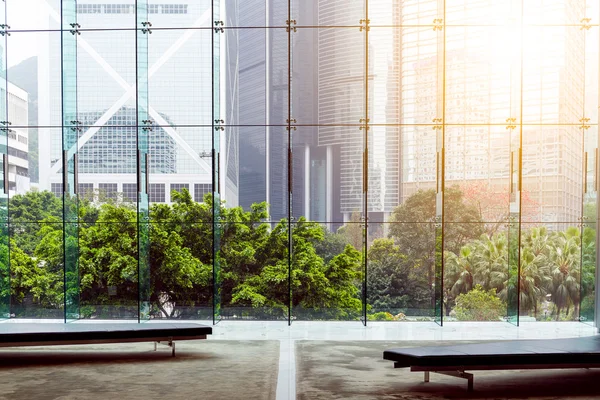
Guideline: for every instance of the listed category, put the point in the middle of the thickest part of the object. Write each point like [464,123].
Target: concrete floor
[352,331]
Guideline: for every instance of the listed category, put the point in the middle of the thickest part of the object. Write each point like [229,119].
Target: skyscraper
[179,82]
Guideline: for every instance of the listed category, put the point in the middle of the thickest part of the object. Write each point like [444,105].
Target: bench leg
[426,376]
[459,374]
[170,343]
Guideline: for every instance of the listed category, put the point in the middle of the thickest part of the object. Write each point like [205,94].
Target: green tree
[388,279]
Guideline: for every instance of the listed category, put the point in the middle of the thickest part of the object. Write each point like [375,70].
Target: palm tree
[565,258]
[491,261]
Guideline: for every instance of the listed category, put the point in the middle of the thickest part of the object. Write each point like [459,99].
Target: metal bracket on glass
[75,30]
[5,128]
[512,123]
[77,127]
[219,27]
[290,127]
[363,222]
[4,31]
[364,25]
[438,24]
[218,125]
[146,27]
[584,123]
[221,222]
[585,24]
[147,125]
[364,124]
[291,25]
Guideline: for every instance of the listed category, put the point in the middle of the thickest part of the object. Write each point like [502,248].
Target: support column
[329,189]
[307,181]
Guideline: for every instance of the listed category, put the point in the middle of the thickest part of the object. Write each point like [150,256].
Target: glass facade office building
[299,160]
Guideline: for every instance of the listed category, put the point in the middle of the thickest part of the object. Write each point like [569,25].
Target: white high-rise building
[179,85]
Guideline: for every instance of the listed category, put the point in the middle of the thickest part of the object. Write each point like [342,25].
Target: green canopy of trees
[320,275]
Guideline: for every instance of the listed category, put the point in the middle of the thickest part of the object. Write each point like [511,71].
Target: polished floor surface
[389,331]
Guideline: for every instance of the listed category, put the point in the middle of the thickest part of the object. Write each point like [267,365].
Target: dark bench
[50,334]
[583,352]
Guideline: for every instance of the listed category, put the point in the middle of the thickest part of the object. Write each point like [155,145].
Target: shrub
[479,305]
[381,316]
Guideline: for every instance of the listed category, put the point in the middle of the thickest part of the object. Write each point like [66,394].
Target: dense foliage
[320,276]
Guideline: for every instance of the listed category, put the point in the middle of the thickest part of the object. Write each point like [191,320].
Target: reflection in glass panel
[327,271]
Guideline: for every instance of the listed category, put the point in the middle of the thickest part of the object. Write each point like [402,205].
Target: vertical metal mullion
[520,169]
[442,167]
[139,156]
[366,167]
[214,183]
[6,184]
[290,160]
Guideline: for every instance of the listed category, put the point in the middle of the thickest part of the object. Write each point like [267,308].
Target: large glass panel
[106,82]
[328,85]
[554,73]
[179,14]
[405,76]
[257,13]
[555,12]
[476,209]
[255,76]
[33,15]
[36,227]
[552,189]
[400,266]
[327,271]
[108,15]
[327,178]
[109,264]
[36,257]
[590,198]
[483,12]
[180,76]
[410,13]
[254,266]
[313,13]
[181,266]
[550,272]
[482,75]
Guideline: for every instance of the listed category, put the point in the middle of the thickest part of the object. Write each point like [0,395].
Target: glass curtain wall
[431,160]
